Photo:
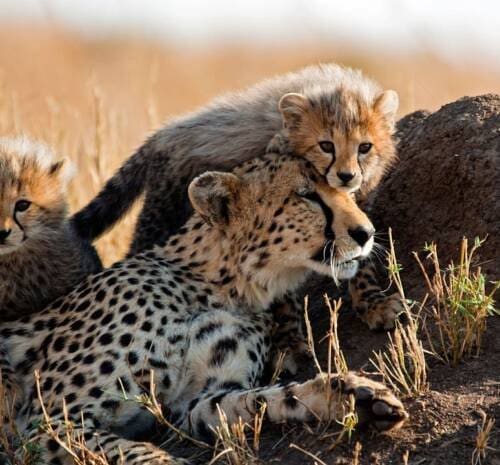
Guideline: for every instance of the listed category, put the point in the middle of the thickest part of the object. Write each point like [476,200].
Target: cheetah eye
[22,205]
[327,146]
[364,148]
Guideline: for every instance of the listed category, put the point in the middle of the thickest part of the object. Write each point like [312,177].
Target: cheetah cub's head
[346,132]
[32,193]
[279,218]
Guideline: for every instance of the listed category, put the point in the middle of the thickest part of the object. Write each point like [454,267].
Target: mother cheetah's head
[280,218]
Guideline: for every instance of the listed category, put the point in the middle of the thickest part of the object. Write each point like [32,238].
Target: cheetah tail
[115,199]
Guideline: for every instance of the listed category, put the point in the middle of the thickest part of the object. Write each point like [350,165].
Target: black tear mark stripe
[329,167]
[18,223]
[20,226]
[315,197]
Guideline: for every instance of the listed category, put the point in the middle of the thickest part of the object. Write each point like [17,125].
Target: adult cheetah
[195,311]
[335,117]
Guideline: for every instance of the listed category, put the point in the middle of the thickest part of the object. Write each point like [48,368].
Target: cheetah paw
[278,144]
[376,405]
[383,313]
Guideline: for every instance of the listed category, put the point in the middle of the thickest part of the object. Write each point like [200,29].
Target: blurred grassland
[96,101]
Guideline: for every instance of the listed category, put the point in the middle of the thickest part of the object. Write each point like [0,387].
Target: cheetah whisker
[333,264]
[325,248]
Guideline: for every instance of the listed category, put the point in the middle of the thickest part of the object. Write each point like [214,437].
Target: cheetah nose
[361,235]
[4,234]
[345,177]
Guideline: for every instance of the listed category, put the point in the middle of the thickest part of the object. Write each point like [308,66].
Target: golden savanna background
[96,96]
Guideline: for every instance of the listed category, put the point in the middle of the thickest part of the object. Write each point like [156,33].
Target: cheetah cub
[40,256]
[335,117]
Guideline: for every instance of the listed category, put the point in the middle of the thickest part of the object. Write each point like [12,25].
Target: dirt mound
[446,184]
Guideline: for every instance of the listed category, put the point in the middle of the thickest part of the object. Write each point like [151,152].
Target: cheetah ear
[213,194]
[387,103]
[63,170]
[293,107]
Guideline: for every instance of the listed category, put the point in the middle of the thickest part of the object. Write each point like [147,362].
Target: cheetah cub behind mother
[40,256]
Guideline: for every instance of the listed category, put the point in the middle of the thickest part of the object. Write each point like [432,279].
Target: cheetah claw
[376,405]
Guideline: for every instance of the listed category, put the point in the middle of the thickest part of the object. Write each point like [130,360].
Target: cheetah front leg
[288,335]
[376,308]
[375,404]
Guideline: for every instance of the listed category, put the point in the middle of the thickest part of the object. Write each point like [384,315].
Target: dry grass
[151,403]
[233,444]
[461,304]
[69,436]
[482,440]
[14,446]
[314,457]
[356,453]
[336,357]
[336,364]
[402,364]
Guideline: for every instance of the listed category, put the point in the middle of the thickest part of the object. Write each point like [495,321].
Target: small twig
[306,452]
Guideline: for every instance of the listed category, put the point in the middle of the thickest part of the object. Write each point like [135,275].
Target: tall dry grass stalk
[310,335]
[336,365]
[233,444]
[348,420]
[482,440]
[336,357]
[402,364]
[151,403]
[461,303]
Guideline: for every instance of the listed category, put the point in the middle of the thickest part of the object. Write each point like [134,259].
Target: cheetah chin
[341,266]
[345,270]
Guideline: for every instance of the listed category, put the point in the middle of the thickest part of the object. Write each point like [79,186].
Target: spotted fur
[40,256]
[195,312]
